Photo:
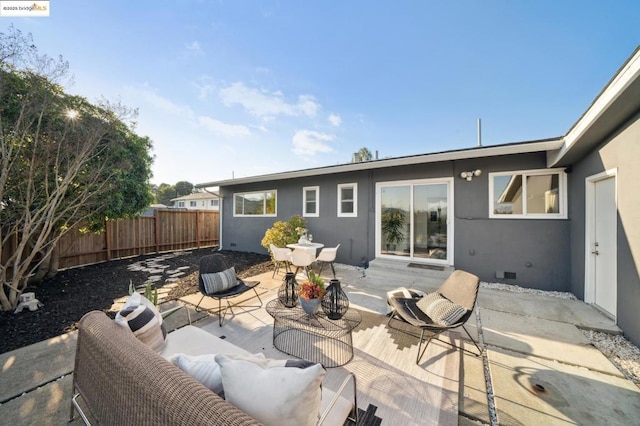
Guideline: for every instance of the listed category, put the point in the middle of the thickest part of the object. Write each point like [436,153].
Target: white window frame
[193,204]
[562,196]
[215,203]
[180,203]
[304,201]
[264,193]
[355,199]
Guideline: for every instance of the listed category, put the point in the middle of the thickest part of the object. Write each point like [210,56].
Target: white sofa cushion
[205,369]
[273,393]
[191,340]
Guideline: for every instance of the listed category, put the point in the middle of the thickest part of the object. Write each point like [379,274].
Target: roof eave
[486,151]
[610,96]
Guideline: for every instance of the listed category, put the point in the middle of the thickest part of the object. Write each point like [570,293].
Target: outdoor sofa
[118,379]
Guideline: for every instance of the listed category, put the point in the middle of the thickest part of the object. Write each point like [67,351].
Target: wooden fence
[166,230]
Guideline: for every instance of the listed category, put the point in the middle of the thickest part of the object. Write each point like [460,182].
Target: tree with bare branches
[63,162]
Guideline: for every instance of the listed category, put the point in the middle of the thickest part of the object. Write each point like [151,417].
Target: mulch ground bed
[74,292]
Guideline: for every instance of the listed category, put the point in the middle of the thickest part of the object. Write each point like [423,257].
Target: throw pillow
[206,370]
[427,300]
[144,320]
[219,281]
[275,392]
[443,311]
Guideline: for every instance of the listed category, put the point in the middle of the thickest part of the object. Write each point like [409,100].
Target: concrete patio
[542,369]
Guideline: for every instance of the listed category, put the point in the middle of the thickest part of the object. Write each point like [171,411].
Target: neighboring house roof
[458,154]
[197,196]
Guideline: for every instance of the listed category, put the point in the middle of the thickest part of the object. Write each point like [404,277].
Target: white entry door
[602,250]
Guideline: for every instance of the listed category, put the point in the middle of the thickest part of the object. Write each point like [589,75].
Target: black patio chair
[217,263]
[460,288]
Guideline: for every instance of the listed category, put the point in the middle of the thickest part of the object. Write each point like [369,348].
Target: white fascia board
[629,72]
[486,151]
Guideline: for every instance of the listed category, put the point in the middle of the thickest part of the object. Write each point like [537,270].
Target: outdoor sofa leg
[75,405]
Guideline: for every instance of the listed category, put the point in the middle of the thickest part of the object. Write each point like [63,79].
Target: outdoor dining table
[311,247]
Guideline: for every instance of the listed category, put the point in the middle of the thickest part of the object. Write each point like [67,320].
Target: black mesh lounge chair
[460,288]
[217,263]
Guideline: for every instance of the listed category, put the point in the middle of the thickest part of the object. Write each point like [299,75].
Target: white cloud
[193,47]
[186,113]
[205,87]
[265,104]
[335,120]
[309,142]
[150,96]
[217,126]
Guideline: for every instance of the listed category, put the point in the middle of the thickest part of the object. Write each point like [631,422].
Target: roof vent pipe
[479,132]
[376,154]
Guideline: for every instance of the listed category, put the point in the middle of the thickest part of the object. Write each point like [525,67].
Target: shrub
[283,232]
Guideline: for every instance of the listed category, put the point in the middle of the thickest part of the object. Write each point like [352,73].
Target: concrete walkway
[539,365]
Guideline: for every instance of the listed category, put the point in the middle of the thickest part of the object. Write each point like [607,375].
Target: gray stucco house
[557,214]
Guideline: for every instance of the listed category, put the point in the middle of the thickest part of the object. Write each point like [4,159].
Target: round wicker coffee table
[315,338]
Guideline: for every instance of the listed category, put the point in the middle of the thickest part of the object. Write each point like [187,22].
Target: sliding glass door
[412,220]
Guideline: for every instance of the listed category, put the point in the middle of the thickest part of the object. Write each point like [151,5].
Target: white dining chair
[302,259]
[328,255]
[280,255]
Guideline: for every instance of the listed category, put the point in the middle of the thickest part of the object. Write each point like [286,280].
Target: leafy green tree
[63,162]
[183,188]
[165,194]
[283,232]
[363,154]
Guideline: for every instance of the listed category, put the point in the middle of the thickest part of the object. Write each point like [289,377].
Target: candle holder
[288,291]
[335,302]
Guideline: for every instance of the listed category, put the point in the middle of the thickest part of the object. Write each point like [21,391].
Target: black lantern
[288,293]
[335,301]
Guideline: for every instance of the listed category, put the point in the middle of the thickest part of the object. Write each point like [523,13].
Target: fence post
[156,223]
[197,228]
[107,237]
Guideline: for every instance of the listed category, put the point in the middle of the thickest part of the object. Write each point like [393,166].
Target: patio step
[410,268]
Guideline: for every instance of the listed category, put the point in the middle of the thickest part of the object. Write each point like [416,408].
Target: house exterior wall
[200,204]
[537,251]
[621,152]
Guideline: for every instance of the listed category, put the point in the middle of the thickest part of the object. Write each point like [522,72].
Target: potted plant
[392,223]
[310,293]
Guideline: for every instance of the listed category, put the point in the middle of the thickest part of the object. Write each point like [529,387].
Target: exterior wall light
[469,175]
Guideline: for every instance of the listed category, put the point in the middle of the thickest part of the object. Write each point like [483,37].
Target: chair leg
[321,266]
[221,313]
[474,342]
[333,270]
[421,350]
[198,305]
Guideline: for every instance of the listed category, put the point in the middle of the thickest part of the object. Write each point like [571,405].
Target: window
[348,200]
[531,194]
[311,201]
[215,203]
[180,203]
[255,203]
[192,204]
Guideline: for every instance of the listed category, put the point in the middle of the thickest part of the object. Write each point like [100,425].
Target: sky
[242,88]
